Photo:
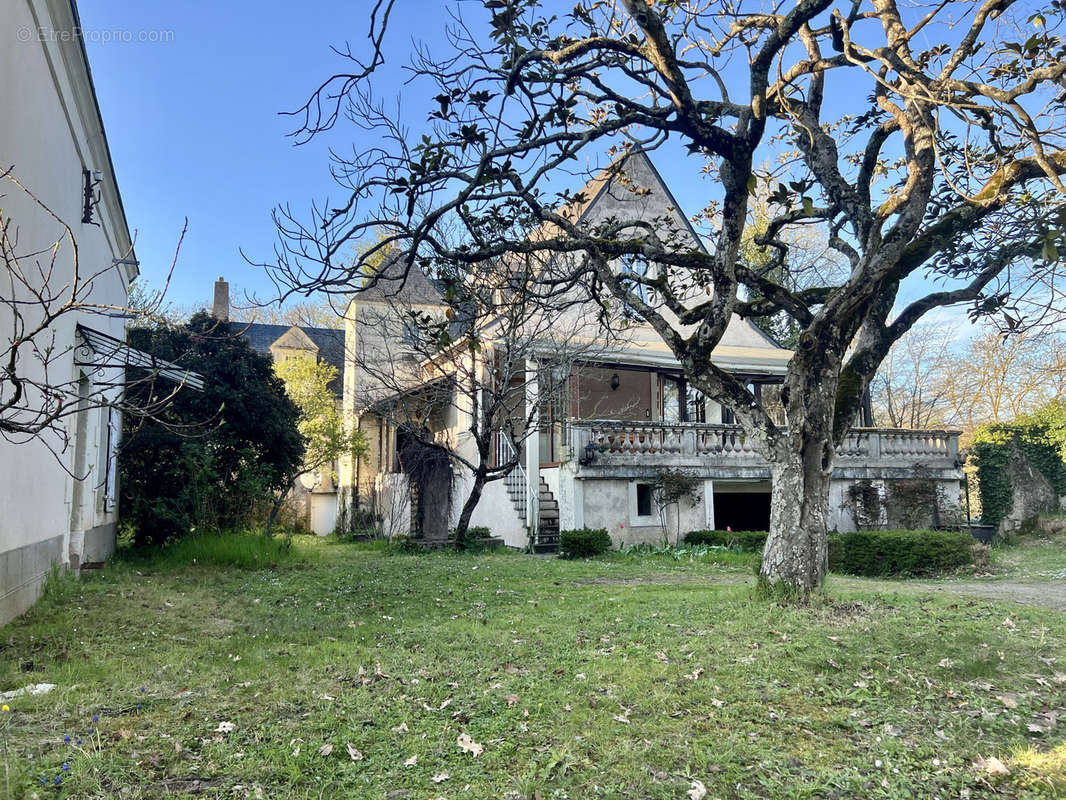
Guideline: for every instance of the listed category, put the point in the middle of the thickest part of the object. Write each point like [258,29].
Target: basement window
[644,500]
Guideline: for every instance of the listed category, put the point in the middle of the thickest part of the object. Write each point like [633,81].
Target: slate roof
[389,284]
[330,343]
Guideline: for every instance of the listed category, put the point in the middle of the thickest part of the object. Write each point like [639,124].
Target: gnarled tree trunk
[796,556]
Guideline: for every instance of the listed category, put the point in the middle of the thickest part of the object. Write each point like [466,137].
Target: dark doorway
[742,511]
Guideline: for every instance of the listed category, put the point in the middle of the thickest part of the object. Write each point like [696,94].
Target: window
[644,500]
[636,266]
[697,405]
[412,332]
[643,509]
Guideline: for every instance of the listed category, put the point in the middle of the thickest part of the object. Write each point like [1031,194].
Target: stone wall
[1032,494]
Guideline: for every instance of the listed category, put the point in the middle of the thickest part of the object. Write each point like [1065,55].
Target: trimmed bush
[584,542]
[870,553]
[476,538]
[750,541]
[884,553]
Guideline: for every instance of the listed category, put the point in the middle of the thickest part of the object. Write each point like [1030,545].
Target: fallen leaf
[717,703]
[469,745]
[225,727]
[620,718]
[695,674]
[511,699]
[325,750]
[1007,700]
[440,777]
[991,765]
[401,728]
[661,656]
[892,730]
[353,751]
[411,761]
[698,791]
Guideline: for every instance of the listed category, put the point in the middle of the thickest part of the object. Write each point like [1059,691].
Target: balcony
[621,447]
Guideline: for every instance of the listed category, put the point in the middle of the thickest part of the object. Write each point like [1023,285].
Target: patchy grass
[614,677]
[1037,556]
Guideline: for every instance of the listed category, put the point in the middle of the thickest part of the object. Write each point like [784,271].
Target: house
[627,414]
[58,484]
[313,499]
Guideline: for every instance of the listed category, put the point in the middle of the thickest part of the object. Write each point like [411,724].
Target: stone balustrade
[619,442]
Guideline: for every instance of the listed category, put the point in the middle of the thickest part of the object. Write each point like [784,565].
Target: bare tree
[933,376]
[949,170]
[997,378]
[911,388]
[48,301]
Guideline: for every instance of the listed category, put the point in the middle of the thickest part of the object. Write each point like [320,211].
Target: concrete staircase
[548,527]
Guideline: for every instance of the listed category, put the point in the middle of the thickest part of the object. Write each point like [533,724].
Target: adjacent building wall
[50,131]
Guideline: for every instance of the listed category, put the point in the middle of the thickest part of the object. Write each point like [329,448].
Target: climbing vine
[1039,438]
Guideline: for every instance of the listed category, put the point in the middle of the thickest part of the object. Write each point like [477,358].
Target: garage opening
[742,506]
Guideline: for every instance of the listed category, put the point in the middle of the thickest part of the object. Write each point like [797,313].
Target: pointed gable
[632,188]
[294,339]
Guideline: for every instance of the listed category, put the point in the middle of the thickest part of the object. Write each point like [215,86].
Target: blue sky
[194,128]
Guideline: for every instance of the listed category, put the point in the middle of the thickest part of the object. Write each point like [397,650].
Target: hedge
[870,553]
[583,542]
[740,540]
[884,553]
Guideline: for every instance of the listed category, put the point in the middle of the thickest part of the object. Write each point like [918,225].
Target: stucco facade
[58,500]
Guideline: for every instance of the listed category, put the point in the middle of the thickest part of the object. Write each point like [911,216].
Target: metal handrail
[525,496]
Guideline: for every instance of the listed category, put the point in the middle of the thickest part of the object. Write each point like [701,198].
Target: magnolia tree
[924,141]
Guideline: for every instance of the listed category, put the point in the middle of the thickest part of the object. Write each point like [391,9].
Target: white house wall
[50,132]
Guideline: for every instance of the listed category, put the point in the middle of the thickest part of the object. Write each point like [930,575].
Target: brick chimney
[220,309]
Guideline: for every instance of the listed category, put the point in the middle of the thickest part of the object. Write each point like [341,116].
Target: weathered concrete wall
[611,504]
[1032,494]
[497,513]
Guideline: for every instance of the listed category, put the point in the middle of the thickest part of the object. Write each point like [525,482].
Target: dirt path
[1046,594]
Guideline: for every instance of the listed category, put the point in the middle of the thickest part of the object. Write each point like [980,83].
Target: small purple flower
[139,706]
[66,767]
[67,738]
[90,731]
[96,717]
[142,690]
[78,740]
[58,781]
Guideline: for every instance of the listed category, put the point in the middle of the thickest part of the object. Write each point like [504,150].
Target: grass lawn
[348,671]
